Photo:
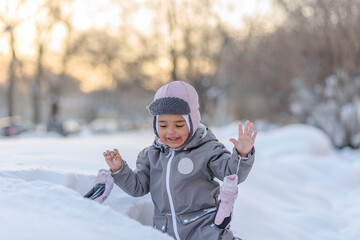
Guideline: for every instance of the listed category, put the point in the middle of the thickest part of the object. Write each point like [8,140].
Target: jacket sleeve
[222,163]
[135,183]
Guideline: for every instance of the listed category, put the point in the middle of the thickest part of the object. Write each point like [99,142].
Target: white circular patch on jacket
[186,166]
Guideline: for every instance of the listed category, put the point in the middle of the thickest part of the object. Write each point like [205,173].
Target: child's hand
[246,139]
[113,159]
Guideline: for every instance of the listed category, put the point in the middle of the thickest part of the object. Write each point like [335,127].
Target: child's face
[172,130]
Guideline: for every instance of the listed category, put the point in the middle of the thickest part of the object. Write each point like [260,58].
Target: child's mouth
[174,140]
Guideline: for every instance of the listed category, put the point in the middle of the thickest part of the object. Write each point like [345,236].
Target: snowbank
[43,210]
[299,188]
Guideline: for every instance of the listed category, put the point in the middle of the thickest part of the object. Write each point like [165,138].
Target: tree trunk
[12,76]
[36,89]
[171,13]
[221,115]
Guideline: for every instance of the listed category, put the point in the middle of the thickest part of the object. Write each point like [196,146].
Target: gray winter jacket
[182,186]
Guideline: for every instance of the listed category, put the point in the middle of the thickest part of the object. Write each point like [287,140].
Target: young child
[179,168]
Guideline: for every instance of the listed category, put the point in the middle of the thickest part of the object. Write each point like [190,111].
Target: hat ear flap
[155,125]
[188,122]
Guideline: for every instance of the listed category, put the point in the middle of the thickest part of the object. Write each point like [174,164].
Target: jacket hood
[201,136]
[177,98]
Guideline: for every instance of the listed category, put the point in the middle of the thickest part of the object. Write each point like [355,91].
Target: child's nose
[171,130]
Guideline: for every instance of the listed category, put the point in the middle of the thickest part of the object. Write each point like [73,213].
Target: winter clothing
[177,98]
[102,186]
[182,186]
[228,195]
[182,180]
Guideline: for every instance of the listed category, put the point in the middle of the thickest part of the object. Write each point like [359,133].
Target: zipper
[173,214]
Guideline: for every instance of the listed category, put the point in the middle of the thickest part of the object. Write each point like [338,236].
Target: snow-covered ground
[299,188]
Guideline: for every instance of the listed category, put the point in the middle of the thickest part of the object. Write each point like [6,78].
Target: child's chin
[174,145]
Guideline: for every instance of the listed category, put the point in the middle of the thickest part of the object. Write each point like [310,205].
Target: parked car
[11,126]
[66,127]
[104,125]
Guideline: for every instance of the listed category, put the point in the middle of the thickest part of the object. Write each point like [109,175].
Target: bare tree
[14,63]
[48,14]
[43,31]
[11,19]
[171,12]
[326,81]
[99,48]
[195,39]
[57,12]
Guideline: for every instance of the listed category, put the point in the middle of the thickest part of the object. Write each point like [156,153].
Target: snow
[299,188]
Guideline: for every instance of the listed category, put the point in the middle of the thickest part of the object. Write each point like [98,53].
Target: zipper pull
[170,153]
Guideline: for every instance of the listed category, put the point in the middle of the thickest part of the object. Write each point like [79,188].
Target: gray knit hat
[169,105]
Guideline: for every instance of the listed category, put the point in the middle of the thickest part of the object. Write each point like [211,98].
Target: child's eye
[180,126]
[162,126]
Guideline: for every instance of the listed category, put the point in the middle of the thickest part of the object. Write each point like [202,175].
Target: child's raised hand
[246,139]
[113,159]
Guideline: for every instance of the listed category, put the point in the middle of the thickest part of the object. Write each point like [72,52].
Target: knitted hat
[177,98]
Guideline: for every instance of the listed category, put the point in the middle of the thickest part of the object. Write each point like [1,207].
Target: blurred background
[70,65]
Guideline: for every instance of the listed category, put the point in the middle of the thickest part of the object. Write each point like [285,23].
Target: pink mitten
[228,195]
[102,187]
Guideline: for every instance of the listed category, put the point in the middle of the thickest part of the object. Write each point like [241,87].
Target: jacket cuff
[122,167]
[250,154]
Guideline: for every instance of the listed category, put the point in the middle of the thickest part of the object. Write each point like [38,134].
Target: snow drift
[299,188]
